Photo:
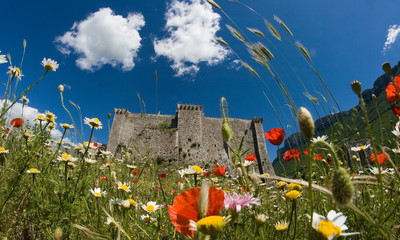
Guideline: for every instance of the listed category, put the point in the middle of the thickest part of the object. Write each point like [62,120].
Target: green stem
[72,119]
[23,93]
[376,159]
[310,192]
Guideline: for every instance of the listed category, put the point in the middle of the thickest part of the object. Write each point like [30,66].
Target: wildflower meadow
[53,189]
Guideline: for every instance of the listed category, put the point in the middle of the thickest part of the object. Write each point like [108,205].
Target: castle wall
[187,138]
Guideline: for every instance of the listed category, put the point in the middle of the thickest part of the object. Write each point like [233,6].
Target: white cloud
[191,27]
[393,32]
[104,38]
[29,116]
[235,64]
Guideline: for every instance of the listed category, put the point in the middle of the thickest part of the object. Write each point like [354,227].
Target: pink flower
[236,202]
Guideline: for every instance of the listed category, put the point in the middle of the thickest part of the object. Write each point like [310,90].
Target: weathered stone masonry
[187,137]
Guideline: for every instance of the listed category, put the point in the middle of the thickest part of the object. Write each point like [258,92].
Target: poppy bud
[356,86]
[60,88]
[226,131]
[58,233]
[127,156]
[342,188]
[109,115]
[387,68]
[306,123]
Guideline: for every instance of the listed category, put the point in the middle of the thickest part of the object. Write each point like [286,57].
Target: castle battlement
[186,138]
[189,107]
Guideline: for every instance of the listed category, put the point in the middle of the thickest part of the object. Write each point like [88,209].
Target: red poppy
[95,184]
[17,122]
[134,181]
[381,157]
[206,173]
[172,191]
[318,157]
[396,110]
[103,178]
[275,136]
[391,95]
[290,154]
[306,152]
[186,207]
[219,170]
[136,171]
[251,157]
[162,175]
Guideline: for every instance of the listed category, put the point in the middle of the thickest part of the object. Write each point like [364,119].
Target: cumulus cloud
[29,115]
[104,38]
[393,32]
[191,27]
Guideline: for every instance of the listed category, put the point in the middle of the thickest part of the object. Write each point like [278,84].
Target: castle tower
[190,120]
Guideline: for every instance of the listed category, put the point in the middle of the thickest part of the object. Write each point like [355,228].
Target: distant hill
[349,125]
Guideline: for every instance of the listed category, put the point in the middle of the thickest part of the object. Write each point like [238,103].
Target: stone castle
[186,137]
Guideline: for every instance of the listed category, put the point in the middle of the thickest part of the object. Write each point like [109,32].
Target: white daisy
[123,186]
[25,100]
[66,126]
[33,171]
[375,171]
[66,158]
[3,150]
[15,72]
[49,65]
[97,192]
[191,170]
[360,148]
[319,138]
[331,226]
[90,161]
[93,122]
[147,218]
[128,203]
[150,207]
[111,222]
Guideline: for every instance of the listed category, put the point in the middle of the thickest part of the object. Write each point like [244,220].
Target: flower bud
[342,188]
[373,96]
[60,88]
[387,68]
[226,131]
[58,233]
[356,86]
[306,123]
[109,115]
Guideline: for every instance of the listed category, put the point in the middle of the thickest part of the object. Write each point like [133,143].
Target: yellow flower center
[326,228]
[17,71]
[292,195]
[211,225]
[2,149]
[97,194]
[150,208]
[281,184]
[33,170]
[123,187]
[48,67]
[132,202]
[293,186]
[65,157]
[197,169]
[281,227]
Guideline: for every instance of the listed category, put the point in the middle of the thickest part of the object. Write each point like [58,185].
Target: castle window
[189,139]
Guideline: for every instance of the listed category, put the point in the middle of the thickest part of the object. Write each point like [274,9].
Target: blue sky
[108,52]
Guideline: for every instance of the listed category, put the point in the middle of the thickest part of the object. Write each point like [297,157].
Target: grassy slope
[351,128]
